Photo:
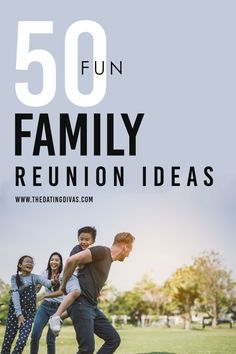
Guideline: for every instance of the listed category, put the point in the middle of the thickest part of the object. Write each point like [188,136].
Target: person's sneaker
[55,323]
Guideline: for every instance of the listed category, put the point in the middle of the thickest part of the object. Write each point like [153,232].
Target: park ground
[154,341]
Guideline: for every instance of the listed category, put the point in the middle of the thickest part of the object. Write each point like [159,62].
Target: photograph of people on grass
[194,311]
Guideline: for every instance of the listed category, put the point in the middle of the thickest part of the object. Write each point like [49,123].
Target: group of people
[73,292]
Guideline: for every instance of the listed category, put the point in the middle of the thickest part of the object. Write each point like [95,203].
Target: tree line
[205,286]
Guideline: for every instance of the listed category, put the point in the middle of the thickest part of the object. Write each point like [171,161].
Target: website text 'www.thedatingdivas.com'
[54,199]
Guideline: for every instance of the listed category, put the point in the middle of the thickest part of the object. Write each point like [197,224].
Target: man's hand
[21,320]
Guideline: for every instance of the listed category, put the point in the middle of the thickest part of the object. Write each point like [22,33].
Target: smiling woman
[47,307]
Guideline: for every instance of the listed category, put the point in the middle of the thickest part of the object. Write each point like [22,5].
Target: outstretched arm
[72,262]
[53,294]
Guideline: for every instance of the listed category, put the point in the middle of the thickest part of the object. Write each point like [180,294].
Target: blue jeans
[46,309]
[88,319]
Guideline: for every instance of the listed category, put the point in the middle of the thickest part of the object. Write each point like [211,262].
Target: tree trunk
[214,315]
[167,321]
[187,317]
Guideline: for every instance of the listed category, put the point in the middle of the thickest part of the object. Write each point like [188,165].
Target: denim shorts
[72,284]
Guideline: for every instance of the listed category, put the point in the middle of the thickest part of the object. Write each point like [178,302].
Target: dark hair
[124,237]
[49,267]
[20,261]
[88,230]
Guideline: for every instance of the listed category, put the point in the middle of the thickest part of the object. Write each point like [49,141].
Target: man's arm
[72,262]
[75,250]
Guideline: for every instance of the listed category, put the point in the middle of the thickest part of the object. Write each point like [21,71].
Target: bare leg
[64,315]
[68,301]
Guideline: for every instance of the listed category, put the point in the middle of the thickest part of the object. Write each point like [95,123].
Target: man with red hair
[86,317]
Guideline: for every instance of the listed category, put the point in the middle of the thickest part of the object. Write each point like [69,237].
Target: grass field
[155,341]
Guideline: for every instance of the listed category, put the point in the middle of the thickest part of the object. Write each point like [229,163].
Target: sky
[179,70]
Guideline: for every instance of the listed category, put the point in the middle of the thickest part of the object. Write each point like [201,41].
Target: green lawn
[155,341]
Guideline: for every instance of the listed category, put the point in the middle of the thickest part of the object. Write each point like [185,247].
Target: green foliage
[205,285]
[130,303]
[142,300]
[106,298]
[4,300]
[183,290]
[215,283]
[183,287]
